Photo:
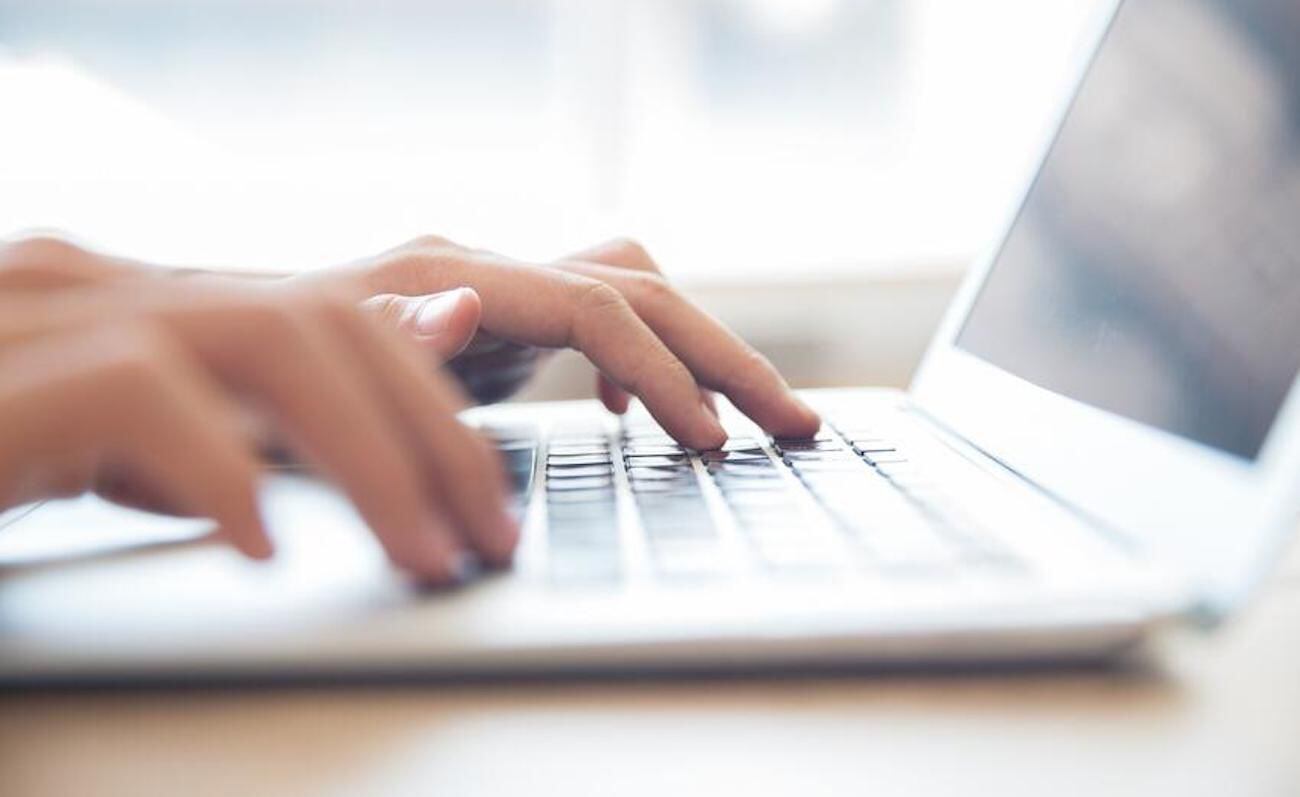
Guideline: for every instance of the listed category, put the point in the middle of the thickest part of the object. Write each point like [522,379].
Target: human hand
[140,387]
[613,305]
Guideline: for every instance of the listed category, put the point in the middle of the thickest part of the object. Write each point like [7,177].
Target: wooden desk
[1213,715]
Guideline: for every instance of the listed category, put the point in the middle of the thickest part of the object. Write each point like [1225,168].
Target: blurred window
[738,138]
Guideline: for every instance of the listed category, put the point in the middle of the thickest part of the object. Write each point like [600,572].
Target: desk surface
[1211,715]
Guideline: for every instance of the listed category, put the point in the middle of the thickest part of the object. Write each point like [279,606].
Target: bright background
[815,171]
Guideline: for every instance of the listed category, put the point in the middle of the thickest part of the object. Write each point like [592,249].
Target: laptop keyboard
[849,499]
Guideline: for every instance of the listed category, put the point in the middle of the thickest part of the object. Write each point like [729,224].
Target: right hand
[612,304]
[142,385]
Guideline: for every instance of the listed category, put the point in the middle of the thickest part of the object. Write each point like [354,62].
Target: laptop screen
[1154,268]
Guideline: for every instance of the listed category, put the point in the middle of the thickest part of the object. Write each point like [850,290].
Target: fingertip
[710,434]
[252,541]
[789,417]
[808,421]
[447,322]
[616,399]
[435,560]
[450,572]
[469,308]
[499,549]
[260,549]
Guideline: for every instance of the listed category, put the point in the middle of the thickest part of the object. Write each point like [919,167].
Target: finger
[548,307]
[43,263]
[464,473]
[715,355]
[330,410]
[128,395]
[621,252]
[615,398]
[624,253]
[258,344]
[442,323]
[127,487]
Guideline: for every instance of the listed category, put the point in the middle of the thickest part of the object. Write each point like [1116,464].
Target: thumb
[442,323]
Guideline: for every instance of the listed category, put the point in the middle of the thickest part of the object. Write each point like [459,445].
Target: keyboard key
[587,496]
[841,455]
[807,470]
[741,455]
[581,483]
[798,557]
[519,465]
[690,561]
[586,535]
[579,471]
[822,434]
[579,435]
[679,460]
[577,460]
[764,500]
[872,445]
[647,450]
[679,528]
[646,473]
[687,505]
[514,444]
[731,488]
[811,445]
[585,567]
[577,449]
[883,457]
[650,435]
[662,487]
[730,477]
[741,466]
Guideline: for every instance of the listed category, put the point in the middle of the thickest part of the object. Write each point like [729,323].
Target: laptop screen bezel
[1218,518]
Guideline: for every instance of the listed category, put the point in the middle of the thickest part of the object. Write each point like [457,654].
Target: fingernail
[434,314]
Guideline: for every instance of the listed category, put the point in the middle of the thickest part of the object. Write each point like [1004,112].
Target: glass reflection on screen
[1154,270]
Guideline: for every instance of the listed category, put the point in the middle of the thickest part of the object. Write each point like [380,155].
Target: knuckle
[432,241]
[593,305]
[595,296]
[750,371]
[654,289]
[388,308]
[418,269]
[633,250]
[42,249]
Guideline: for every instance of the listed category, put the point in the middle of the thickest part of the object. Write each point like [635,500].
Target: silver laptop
[1104,437]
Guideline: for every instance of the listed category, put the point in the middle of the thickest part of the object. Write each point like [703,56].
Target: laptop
[1103,439]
